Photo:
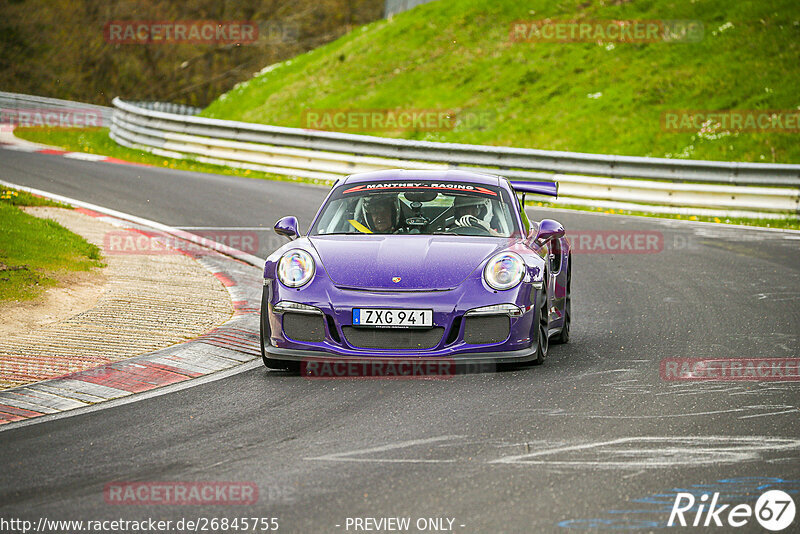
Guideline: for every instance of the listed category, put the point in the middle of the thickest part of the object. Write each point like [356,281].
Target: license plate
[392,318]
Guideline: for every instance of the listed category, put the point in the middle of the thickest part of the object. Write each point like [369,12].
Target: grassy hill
[598,97]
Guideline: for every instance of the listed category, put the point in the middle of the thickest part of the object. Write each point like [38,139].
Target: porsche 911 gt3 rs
[418,265]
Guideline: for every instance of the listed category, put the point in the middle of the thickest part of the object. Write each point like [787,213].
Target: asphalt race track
[594,439]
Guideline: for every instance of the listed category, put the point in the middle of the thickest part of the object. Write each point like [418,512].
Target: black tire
[543,325]
[563,336]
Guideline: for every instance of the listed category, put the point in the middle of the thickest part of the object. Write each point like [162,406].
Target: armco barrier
[14,101]
[647,184]
[622,182]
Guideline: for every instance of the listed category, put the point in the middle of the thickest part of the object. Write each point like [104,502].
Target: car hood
[408,262]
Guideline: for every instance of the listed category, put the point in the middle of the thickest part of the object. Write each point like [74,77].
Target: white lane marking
[624,453]
[343,456]
[21,148]
[85,157]
[593,373]
[635,474]
[775,410]
[792,410]
[164,390]
[778,296]
[657,452]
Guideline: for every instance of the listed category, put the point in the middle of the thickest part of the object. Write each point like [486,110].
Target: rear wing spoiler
[538,188]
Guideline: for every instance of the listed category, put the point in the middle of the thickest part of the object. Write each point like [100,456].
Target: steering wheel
[468,230]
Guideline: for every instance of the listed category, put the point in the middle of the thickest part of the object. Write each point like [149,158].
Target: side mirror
[287,227]
[549,229]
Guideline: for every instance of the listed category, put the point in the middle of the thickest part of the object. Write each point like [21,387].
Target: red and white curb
[9,142]
[215,354]
[72,155]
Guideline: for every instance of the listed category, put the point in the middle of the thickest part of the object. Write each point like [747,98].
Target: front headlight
[296,268]
[504,271]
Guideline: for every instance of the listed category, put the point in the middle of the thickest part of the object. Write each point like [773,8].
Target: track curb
[221,350]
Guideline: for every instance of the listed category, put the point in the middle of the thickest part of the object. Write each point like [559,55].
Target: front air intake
[304,327]
[393,338]
[485,329]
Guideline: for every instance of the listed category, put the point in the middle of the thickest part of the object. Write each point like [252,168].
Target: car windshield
[424,207]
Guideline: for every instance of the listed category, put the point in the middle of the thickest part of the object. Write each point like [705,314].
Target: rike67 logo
[774,510]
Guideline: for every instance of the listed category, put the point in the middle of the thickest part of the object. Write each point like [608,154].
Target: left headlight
[296,268]
[504,271]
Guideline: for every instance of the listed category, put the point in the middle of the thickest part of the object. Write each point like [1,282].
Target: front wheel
[563,336]
[543,327]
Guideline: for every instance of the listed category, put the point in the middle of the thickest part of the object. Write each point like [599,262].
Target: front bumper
[449,309]
[478,358]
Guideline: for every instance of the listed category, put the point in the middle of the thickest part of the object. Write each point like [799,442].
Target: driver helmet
[469,201]
[373,203]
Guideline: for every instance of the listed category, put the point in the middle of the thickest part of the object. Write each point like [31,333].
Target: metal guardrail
[15,101]
[619,182]
[393,7]
[168,107]
[624,182]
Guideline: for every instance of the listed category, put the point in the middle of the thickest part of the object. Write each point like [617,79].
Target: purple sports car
[418,265]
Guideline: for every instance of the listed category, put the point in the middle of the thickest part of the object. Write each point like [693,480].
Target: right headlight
[296,268]
[504,271]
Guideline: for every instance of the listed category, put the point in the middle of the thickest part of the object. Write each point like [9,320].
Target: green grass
[23,198]
[35,253]
[97,141]
[598,97]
